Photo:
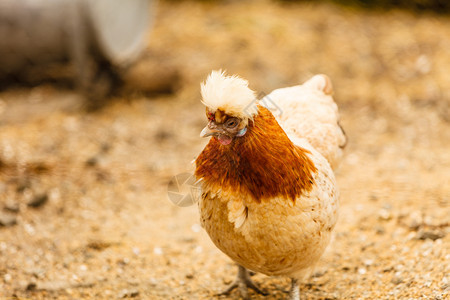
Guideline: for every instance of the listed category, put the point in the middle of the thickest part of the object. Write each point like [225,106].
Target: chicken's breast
[276,237]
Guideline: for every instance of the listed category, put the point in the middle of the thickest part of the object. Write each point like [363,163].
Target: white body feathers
[309,112]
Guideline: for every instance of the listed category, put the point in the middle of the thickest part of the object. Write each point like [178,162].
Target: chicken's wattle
[224,139]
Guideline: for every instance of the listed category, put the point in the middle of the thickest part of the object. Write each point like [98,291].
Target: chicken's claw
[243,282]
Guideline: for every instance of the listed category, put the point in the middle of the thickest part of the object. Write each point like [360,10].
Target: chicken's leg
[294,294]
[243,282]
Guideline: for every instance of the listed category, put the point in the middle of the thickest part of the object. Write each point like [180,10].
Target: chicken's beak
[208,132]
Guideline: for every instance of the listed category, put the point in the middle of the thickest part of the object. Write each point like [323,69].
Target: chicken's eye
[231,123]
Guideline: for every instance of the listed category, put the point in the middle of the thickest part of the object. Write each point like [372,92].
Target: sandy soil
[85,210]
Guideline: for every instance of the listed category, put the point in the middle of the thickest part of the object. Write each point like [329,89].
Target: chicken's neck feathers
[262,164]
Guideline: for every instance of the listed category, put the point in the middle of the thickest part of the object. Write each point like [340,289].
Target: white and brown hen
[269,197]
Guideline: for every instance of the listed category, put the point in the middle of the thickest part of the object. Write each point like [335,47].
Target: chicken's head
[230,105]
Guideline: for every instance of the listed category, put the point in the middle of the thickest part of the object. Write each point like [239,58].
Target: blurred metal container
[40,33]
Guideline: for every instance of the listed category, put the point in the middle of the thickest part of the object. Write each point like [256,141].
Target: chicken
[269,198]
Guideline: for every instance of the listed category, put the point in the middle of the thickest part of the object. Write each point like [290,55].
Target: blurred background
[100,108]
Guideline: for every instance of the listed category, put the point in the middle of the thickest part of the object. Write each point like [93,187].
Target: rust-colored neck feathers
[262,164]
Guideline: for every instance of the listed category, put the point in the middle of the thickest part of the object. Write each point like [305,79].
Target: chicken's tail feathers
[320,82]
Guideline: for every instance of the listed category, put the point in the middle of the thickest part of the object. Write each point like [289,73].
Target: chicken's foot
[243,282]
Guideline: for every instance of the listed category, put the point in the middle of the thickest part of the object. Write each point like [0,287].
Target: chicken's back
[309,112]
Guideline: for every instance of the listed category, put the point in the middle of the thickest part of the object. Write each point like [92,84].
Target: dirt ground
[84,202]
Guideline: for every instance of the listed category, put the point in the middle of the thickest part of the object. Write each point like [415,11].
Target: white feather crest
[230,94]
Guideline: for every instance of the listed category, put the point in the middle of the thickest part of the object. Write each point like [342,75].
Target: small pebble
[31,286]
[38,200]
[128,293]
[12,206]
[414,223]
[397,279]
[319,272]
[23,185]
[93,161]
[99,245]
[384,214]
[368,262]
[83,268]
[36,272]
[158,251]
[411,236]
[29,229]
[7,219]
[445,284]
[187,239]
[54,286]
[388,269]
[430,235]
[133,282]
[423,64]
[124,261]
[380,229]
[196,228]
